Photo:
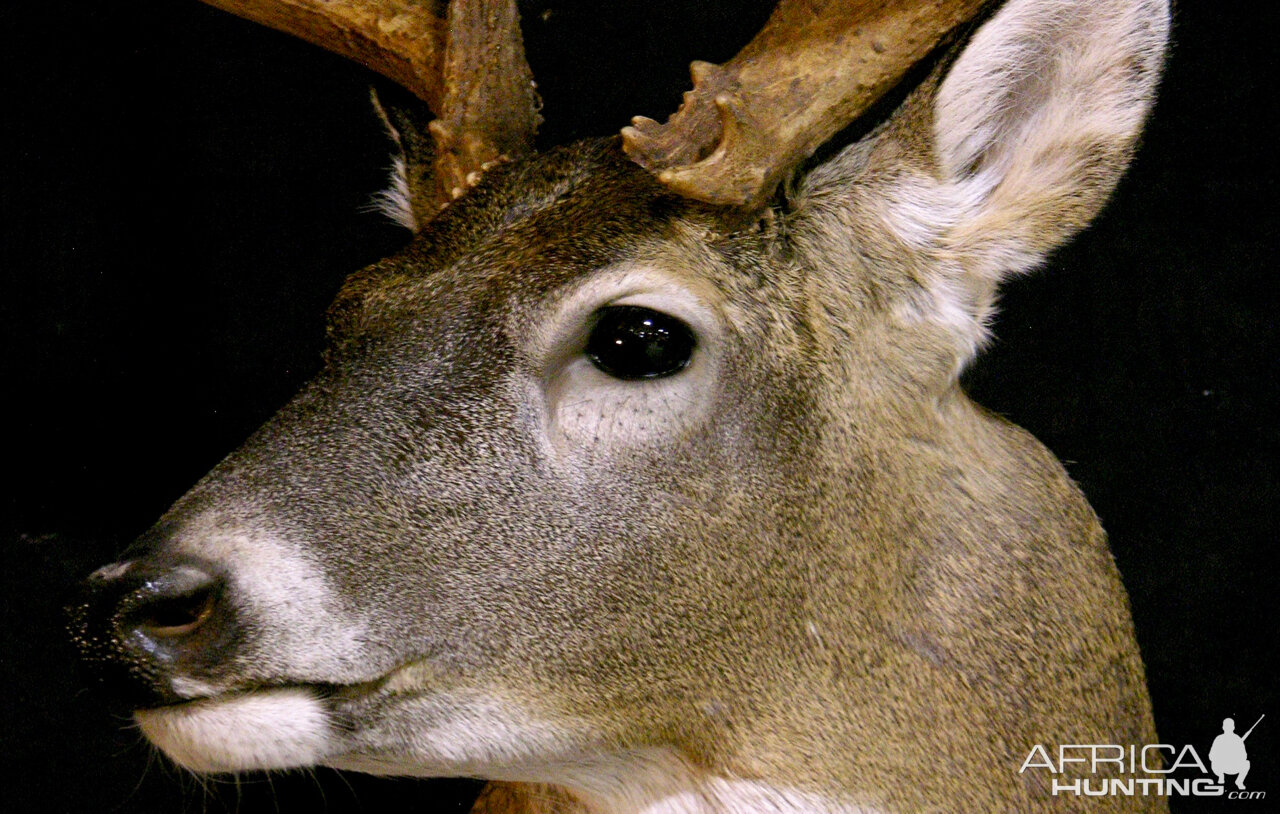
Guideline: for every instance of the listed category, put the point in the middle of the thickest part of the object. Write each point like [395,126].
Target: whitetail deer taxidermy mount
[642,480]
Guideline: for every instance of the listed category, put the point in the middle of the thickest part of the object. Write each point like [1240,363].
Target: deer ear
[1035,122]
[407,200]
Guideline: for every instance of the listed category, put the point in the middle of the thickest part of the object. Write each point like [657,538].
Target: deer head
[642,479]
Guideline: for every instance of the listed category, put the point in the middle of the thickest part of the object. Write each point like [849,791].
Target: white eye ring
[586,409]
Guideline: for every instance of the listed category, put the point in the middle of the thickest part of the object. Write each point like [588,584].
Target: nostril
[170,603]
[180,615]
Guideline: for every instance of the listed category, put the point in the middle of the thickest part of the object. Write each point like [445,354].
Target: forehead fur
[546,220]
[587,184]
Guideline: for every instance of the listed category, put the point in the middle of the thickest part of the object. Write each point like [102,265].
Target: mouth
[273,728]
[281,726]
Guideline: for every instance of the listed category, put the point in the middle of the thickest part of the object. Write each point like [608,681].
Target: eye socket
[629,342]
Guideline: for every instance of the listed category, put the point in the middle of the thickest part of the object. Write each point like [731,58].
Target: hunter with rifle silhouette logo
[1228,755]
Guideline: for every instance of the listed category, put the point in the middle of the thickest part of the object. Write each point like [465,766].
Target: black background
[182,193]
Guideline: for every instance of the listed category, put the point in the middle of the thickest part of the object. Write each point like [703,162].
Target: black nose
[139,624]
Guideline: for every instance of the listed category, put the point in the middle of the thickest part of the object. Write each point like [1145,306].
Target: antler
[815,66]
[490,108]
[469,68]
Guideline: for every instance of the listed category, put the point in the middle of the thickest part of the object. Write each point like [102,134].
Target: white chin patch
[273,729]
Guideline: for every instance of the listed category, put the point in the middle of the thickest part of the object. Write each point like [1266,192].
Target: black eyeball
[629,342]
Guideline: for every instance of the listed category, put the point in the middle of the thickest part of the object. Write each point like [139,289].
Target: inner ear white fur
[396,201]
[1036,121]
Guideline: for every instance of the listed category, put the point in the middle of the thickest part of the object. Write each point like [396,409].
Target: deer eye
[629,342]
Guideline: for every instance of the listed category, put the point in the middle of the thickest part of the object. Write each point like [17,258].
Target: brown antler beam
[469,67]
[400,39]
[815,66]
[490,108]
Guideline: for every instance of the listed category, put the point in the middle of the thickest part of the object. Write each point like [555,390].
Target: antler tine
[815,66]
[469,68]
